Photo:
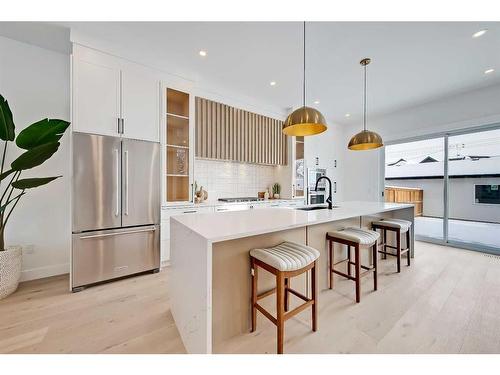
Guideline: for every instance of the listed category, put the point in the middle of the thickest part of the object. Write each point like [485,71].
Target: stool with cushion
[356,238]
[398,226]
[285,260]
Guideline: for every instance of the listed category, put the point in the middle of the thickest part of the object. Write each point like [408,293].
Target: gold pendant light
[304,120]
[365,140]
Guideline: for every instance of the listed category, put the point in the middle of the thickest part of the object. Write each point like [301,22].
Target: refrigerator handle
[117,176]
[125,154]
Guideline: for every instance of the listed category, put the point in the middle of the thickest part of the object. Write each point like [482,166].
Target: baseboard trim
[47,271]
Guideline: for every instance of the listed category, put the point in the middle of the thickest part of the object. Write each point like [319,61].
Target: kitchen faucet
[329,199]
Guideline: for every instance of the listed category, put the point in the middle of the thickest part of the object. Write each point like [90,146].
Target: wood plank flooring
[446,302]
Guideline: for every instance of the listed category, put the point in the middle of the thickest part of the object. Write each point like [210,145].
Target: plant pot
[276,196]
[10,270]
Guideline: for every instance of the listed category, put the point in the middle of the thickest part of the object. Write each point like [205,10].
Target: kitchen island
[210,266]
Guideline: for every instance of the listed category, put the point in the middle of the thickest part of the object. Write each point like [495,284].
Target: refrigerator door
[109,254]
[141,182]
[96,182]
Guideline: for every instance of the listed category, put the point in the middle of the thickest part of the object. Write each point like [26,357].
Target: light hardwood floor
[448,301]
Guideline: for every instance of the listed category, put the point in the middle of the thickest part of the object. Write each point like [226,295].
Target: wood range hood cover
[228,133]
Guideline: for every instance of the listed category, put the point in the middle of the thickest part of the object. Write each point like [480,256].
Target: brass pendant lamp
[366,139]
[304,120]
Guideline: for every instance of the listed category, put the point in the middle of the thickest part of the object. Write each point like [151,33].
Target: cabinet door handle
[125,154]
[117,177]
[335,186]
[222,209]
[86,237]
[118,125]
[123,125]
[190,212]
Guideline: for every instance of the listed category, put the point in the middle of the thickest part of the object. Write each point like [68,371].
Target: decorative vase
[10,270]
[276,196]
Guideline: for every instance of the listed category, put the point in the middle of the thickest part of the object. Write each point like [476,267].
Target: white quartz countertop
[222,226]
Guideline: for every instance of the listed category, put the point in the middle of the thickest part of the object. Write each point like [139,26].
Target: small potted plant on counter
[39,141]
[276,191]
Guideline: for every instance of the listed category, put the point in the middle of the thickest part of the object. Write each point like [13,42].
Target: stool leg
[287,294]
[358,273]
[385,242]
[408,246]
[280,310]
[314,293]
[375,251]
[349,260]
[254,269]
[398,245]
[331,263]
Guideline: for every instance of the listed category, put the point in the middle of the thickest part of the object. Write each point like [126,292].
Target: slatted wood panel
[227,133]
[398,194]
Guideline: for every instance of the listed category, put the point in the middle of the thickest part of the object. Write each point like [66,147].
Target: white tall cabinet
[112,96]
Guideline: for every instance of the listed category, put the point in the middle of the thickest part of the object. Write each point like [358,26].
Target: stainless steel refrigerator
[116,208]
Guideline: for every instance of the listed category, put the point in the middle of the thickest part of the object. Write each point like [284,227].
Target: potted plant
[276,191]
[39,141]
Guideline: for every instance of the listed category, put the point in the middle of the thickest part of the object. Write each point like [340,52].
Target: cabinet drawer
[105,255]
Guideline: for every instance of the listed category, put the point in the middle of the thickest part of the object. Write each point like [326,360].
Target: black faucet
[329,199]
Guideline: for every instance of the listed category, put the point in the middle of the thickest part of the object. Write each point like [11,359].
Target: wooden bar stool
[286,260]
[397,226]
[356,238]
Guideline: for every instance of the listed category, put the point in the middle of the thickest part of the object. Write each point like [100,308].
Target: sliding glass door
[454,182]
[473,189]
[414,173]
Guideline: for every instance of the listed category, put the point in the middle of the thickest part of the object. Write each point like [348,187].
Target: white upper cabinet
[112,96]
[140,105]
[96,98]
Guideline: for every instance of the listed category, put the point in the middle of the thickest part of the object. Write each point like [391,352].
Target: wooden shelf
[177,146]
[178,116]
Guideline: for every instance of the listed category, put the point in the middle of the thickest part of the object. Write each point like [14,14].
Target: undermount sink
[314,208]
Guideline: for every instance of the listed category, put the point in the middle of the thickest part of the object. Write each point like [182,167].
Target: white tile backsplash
[224,179]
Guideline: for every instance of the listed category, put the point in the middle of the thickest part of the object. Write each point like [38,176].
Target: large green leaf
[30,183]
[41,132]
[34,157]
[7,128]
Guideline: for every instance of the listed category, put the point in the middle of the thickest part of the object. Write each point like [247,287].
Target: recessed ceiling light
[479,33]
[488,71]
[272,83]
[316,102]
[347,115]
[203,53]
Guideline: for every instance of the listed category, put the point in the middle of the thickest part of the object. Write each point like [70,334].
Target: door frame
[445,241]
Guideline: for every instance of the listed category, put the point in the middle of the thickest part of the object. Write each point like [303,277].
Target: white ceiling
[412,63]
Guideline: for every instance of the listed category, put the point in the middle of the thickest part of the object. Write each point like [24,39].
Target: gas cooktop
[241,199]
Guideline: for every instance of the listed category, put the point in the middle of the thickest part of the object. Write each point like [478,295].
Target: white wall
[328,147]
[35,81]
[363,173]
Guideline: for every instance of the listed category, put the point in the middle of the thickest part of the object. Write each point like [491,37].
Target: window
[486,194]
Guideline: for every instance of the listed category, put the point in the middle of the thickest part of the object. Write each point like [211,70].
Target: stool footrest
[298,309]
[403,251]
[301,296]
[266,294]
[344,275]
[266,314]
[343,261]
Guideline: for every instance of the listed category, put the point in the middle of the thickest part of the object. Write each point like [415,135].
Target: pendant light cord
[304,66]
[364,100]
